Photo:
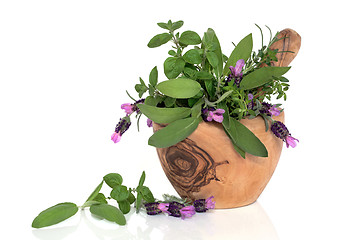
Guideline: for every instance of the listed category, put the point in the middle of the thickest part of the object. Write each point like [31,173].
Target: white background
[64,69]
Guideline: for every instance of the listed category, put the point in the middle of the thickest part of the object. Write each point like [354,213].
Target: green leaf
[225,95]
[153,100]
[174,132]
[119,193]
[159,40]
[242,51]
[153,78]
[176,25]
[179,88]
[190,38]
[113,179]
[261,76]
[55,214]
[95,192]
[100,198]
[169,102]
[163,25]
[212,58]
[142,179]
[138,202]
[193,56]
[164,115]
[210,88]
[110,213]
[173,66]
[146,194]
[124,206]
[210,39]
[204,75]
[131,199]
[245,139]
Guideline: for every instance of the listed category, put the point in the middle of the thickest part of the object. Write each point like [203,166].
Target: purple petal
[187,211]
[250,96]
[210,116]
[149,122]
[291,141]
[274,111]
[115,137]
[219,111]
[128,108]
[238,67]
[218,118]
[210,203]
[232,69]
[164,207]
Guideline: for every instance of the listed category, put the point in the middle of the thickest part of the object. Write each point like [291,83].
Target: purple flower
[250,96]
[187,212]
[122,126]
[212,114]
[210,203]
[128,107]
[281,131]
[163,207]
[149,122]
[152,208]
[237,70]
[174,209]
[290,141]
[115,137]
[202,205]
[274,111]
[236,73]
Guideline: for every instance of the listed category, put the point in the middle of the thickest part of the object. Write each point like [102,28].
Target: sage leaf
[142,179]
[95,192]
[159,40]
[109,212]
[212,58]
[210,40]
[261,76]
[113,179]
[173,66]
[163,25]
[138,202]
[55,214]
[193,56]
[222,97]
[245,139]
[242,51]
[153,78]
[190,38]
[179,88]
[146,194]
[119,193]
[164,115]
[174,132]
[124,206]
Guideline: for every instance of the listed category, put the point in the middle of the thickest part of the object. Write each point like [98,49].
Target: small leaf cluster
[199,78]
[99,204]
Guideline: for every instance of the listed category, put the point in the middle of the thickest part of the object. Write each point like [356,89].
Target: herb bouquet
[216,132]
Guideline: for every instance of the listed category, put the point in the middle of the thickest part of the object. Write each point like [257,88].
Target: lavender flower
[122,126]
[202,205]
[236,72]
[212,114]
[269,109]
[174,209]
[130,108]
[149,122]
[281,131]
[152,208]
[187,212]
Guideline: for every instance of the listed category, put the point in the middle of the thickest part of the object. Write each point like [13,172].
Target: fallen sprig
[124,196]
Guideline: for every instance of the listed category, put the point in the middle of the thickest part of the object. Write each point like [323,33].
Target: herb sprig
[98,203]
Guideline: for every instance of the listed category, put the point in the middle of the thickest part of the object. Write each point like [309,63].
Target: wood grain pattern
[206,164]
[290,40]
